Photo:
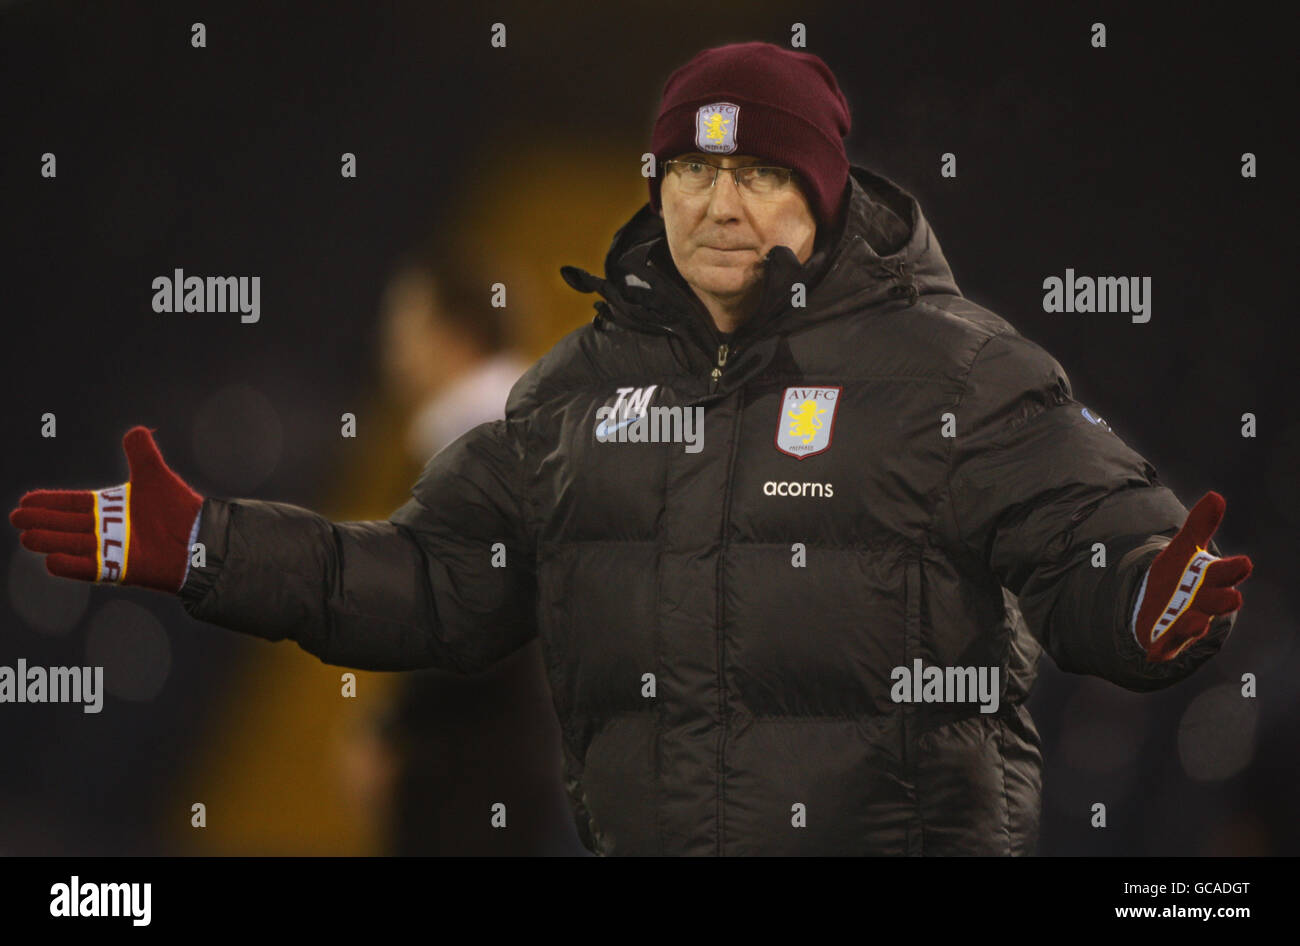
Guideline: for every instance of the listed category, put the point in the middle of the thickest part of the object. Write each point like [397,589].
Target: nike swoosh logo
[1093,418]
[605,431]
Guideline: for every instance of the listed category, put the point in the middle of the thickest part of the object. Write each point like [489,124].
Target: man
[445,349]
[742,639]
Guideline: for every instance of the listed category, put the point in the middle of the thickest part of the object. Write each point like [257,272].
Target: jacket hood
[884,249]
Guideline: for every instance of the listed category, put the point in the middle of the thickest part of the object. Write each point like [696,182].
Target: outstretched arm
[1038,484]
[446,582]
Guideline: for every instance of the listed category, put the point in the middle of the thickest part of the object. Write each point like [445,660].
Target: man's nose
[725,201]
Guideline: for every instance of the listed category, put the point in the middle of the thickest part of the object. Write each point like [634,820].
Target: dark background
[225,160]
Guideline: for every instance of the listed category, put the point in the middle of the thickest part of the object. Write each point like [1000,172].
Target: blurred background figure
[443,748]
[414,762]
[445,350]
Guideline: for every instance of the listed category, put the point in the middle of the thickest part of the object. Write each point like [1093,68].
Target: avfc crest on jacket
[806,422]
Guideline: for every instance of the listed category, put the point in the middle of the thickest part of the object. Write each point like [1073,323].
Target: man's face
[718,239]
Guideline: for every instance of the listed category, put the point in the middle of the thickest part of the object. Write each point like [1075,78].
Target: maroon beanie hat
[756,98]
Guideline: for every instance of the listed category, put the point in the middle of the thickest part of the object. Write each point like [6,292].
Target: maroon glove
[137,533]
[1186,586]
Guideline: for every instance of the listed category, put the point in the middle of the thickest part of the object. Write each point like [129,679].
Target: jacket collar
[883,250]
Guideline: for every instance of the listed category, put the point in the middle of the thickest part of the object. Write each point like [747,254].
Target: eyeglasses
[698,177]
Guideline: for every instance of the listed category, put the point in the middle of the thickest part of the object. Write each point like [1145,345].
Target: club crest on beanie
[757,98]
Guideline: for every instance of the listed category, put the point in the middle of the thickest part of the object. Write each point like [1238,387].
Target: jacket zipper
[720,609]
[716,374]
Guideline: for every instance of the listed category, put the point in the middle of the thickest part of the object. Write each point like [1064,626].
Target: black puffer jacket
[721,626]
